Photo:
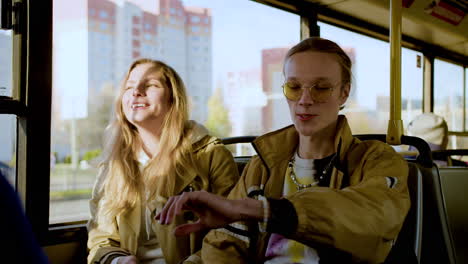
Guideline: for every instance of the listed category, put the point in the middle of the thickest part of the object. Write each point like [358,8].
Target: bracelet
[266,213]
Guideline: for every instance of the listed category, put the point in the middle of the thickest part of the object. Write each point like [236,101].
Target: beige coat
[217,173]
[360,213]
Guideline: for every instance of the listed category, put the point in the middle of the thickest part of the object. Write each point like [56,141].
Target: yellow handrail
[395,124]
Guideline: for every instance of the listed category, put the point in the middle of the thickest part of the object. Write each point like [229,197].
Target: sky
[242,28]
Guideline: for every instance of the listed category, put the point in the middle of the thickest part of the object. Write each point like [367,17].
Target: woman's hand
[212,210]
[128,260]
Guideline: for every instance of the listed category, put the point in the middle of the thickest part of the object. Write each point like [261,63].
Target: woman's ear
[345,90]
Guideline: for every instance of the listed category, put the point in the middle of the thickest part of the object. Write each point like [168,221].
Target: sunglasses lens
[319,94]
[292,91]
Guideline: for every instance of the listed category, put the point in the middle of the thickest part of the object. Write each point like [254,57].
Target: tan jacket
[360,213]
[217,173]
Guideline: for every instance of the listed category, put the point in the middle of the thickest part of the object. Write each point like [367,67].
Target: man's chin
[306,131]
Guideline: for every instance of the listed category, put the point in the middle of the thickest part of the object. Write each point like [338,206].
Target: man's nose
[306,96]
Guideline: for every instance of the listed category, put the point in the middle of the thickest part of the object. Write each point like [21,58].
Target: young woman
[153,152]
[317,194]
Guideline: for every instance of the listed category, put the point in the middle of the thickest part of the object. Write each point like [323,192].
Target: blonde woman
[153,152]
[314,194]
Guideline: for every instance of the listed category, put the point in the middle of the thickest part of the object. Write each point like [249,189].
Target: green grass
[62,170]
[70,194]
[65,175]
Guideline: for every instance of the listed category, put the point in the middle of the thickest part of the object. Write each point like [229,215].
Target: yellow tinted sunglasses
[320,92]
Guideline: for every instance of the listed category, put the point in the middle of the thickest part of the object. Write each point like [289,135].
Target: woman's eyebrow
[153,80]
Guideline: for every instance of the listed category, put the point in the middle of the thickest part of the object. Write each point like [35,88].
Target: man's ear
[345,90]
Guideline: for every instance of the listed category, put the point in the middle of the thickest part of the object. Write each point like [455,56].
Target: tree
[90,130]
[218,116]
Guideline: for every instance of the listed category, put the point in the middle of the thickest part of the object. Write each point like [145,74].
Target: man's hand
[212,210]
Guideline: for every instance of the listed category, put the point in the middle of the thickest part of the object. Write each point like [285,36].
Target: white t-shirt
[280,249]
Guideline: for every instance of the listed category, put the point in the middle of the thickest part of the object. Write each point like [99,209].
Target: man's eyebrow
[322,79]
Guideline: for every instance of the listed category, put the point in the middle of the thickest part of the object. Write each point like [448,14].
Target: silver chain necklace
[301,186]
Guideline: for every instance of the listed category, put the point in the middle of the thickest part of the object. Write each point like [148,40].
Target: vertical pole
[464,98]
[428,84]
[395,124]
[305,30]
[309,22]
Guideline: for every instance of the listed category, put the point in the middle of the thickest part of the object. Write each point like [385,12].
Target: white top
[281,250]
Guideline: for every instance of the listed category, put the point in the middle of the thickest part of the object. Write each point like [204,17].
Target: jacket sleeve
[231,243]
[223,177]
[363,219]
[103,239]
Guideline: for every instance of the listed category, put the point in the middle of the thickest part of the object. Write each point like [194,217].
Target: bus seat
[446,156]
[454,182]
[437,245]
[430,127]
[241,161]
[411,234]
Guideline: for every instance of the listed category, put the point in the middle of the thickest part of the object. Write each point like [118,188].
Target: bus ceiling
[439,26]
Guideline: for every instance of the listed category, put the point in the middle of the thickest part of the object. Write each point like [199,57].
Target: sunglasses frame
[310,92]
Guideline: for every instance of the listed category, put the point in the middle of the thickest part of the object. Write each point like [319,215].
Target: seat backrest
[241,161]
[412,228]
[454,182]
[410,235]
[437,245]
[445,156]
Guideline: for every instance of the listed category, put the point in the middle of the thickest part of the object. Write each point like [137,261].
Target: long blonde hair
[124,183]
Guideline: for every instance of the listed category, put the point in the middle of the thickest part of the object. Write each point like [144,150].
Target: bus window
[8,149]
[6,52]
[448,94]
[368,105]
[466,101]
[229,54]
[411,85]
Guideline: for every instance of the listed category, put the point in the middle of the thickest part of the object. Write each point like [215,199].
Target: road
[68,211]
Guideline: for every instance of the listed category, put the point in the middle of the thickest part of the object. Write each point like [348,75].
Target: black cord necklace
[301,186]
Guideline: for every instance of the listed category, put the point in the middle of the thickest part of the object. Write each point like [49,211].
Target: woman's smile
[137,106]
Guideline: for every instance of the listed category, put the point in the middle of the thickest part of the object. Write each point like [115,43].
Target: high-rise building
[102,55]
[120,33]
[95,41]
[276,112]
[199,59]
[244,99]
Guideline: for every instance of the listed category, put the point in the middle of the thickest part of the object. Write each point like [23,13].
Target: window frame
[33,77]
[31,104]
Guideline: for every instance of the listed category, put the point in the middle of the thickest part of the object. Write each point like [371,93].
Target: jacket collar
[279,145]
